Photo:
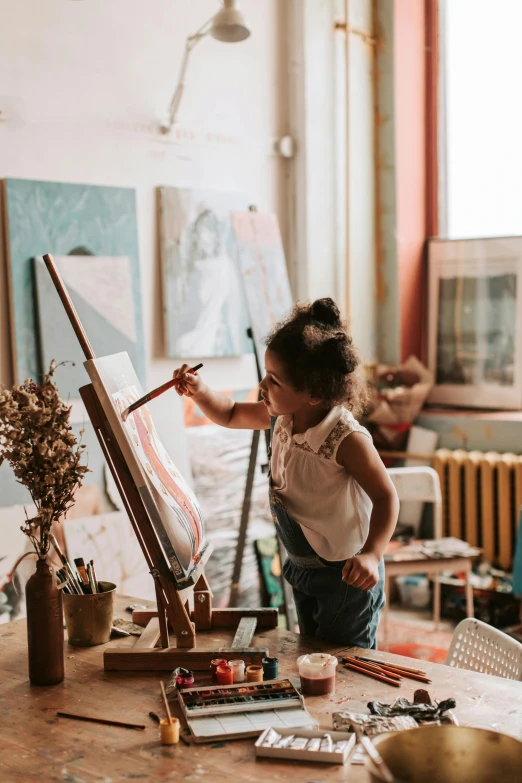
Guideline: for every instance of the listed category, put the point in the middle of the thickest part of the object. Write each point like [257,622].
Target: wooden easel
[174,613]
[288,597]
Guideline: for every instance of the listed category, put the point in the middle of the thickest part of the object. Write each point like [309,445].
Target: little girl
[333,503]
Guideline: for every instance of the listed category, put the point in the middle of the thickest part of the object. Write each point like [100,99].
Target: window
[481,58]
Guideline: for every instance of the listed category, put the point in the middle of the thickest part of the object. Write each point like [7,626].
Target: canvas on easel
[166,519]
[262,263]
[172,506]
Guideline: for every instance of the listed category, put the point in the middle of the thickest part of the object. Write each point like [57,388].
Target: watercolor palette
[242,697]
[242,710]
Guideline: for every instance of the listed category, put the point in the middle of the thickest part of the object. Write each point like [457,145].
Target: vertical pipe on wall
[432,116]
[340,107]
[388,301]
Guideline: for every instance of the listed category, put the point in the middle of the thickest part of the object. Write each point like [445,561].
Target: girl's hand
[362,571]
[189,384]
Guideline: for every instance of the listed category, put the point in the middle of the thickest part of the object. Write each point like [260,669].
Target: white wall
[83,88]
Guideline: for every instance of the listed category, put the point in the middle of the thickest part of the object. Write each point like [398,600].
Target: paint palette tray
[242,710]
[315,756]
[242,697]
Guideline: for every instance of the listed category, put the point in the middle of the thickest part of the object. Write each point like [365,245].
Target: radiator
[481,500]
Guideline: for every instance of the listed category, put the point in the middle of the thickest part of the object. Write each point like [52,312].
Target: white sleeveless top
[331,507]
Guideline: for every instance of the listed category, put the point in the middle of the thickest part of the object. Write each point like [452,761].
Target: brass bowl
[449,754]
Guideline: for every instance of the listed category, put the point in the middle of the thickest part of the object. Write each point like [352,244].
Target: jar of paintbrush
[88,604]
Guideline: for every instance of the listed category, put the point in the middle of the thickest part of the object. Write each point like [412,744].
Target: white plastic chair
[422,483]
[479,647]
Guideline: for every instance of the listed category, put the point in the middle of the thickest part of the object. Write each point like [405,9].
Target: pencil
[105,721]
[369,667]
[373,675]
[393,665]
[156,392]
[408,675]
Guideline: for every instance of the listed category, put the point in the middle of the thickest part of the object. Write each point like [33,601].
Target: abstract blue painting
[64,220]
[101,289]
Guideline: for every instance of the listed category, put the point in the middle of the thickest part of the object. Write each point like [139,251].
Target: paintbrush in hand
[156,392]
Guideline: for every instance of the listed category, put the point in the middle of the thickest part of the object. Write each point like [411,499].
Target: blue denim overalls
[326,606]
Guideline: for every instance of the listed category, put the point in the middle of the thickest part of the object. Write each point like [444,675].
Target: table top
[36,744]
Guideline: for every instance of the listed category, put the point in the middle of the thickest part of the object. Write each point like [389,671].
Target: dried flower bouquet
[36,439]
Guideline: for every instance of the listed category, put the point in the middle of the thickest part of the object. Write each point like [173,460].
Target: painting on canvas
[263,268]
[475,322]
[205,308]
[101,289]
[65,220]
[170,502]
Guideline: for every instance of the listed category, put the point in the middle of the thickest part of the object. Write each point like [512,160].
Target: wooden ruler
[245,632]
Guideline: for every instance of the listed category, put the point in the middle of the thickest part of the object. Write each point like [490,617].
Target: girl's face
[278,394]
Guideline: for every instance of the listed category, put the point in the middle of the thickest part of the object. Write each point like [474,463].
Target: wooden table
[36,745]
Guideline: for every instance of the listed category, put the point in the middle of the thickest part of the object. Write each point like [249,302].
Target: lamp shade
[229,24]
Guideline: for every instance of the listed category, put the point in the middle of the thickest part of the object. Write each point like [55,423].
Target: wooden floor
[36,745]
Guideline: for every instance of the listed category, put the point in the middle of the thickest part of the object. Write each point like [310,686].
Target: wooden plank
[221,618]
[117,660]
[202,610]
[162,617]
[229,618]
[149,637]
[245,633]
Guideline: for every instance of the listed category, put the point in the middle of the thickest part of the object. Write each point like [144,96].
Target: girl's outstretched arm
[218,407]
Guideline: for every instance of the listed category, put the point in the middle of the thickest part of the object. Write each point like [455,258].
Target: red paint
[224,675]
[214,667]
[317,686]
[144,424]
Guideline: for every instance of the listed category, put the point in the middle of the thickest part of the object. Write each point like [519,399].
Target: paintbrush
[156,392]
[106,721]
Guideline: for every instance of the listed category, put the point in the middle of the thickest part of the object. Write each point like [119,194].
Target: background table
[36,745]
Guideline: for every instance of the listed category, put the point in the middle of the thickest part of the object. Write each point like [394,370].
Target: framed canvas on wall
[475,322]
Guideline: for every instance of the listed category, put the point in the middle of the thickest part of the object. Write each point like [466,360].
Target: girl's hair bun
[337,353]
[325,311]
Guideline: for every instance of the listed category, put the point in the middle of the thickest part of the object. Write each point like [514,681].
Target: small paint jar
[185,680]
[317,672]
[254,673]
[224,675]
[270,668]
[238,670]
[169,731]
[214,667]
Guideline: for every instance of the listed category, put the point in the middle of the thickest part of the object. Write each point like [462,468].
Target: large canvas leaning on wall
[171,505]
[263,268]
[475,322]
[204,304]
[101,289]
[65,220]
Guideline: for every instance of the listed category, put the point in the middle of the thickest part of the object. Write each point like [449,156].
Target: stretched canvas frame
[171,505]
[263,269]
[475,322]
[205,312]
